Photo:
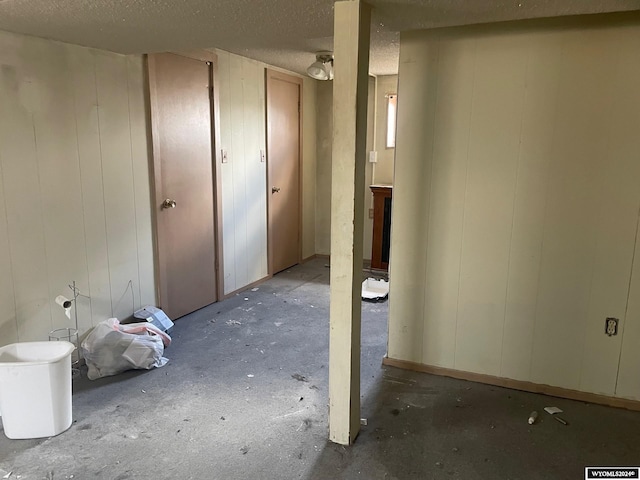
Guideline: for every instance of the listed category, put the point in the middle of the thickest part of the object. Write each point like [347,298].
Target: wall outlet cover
[611,326]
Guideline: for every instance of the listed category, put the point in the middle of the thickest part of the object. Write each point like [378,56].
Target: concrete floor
[244,396]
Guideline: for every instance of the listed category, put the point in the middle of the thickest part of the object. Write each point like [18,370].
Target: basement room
[378,240]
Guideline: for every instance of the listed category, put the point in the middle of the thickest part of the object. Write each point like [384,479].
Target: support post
[350,93]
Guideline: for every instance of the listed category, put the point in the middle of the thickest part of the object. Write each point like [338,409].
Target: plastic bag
[112,348]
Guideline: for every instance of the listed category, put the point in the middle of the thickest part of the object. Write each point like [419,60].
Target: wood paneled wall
[244,180]
[242,137]
[519,235]
[74,186]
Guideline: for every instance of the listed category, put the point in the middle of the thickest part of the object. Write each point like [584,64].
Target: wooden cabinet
[381,226]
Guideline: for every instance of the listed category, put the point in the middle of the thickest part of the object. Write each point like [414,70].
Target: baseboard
[246,287]
[313,257]
[515,384]
[366,264]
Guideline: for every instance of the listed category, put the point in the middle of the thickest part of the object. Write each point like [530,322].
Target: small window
[392,103]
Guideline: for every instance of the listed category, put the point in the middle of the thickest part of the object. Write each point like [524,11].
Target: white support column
[350,88]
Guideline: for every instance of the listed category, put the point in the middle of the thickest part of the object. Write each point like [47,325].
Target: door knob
[275,189]
[168,203]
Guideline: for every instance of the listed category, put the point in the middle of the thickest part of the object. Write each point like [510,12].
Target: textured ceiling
[285,33]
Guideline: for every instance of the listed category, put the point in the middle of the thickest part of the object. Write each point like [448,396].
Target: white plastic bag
[112,348]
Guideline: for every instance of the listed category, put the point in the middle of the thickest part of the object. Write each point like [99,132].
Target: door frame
[270,76]
[155,167]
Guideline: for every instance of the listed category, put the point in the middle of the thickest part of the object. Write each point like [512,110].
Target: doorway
[186,207]
[284,147]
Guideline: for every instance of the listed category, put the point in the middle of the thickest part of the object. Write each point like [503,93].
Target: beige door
[181,109]
[283,154]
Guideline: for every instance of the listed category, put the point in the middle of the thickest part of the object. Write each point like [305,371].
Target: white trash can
[35,389]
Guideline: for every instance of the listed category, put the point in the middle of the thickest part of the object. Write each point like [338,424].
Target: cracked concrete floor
[245,395]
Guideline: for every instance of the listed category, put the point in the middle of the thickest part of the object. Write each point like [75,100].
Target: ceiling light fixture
[322,68]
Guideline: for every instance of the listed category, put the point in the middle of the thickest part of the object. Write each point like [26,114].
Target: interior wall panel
[309,156]
[8,323]
[574,196]
[255,173]
[68,153]
[540,98]
[93,210]
[227,102]
[624,146]
[324,138]
[499,79]
[19,97]
[237,157]
[616,213]
[244,175]
[456,70]
[141,155]
[548,204]
[113,115]
[58,169]
[383,168]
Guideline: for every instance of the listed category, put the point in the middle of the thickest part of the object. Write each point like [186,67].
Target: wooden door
[185,204]
[284,94]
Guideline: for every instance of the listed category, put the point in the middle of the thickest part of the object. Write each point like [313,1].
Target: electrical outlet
[611,326]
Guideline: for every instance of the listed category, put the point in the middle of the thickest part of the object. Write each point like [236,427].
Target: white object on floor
[35,389]
[373,289]
[552,410]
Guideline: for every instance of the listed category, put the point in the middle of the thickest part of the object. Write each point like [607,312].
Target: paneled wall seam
[513,210]
[546,207]
[133,176]
[104,202]
[84,223]
[598,214]
[44,229]
[430,190]
[6,218]
[464,203]
[626,308]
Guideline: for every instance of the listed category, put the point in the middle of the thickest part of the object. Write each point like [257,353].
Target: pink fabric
[142,328]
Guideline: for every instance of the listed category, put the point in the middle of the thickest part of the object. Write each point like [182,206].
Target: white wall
[74,186]
[324,139]
[324,136]
[244,181]
[309,166]
[383,169]
[74,182]
[244,200]
[516,203]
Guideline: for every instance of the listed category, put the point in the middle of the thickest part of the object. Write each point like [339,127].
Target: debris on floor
[244,450]
[255,289]
[300,378]
[552,410]
[561,420]
[234,322]
[363,422]
[375,290]
[156,317]
[112,348]
[532,417]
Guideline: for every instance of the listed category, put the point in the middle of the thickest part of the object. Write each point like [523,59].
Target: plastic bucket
[35,389]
